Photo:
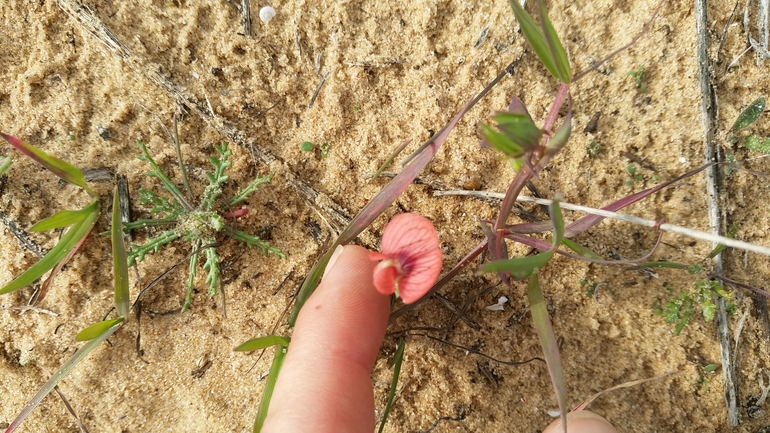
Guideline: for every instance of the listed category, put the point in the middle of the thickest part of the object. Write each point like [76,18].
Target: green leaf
[559,139]
[119,259]
[57,166]
[535,37]
[60,374]
[157,172]
[558,54]
[243,194]
[67,242]
[757,144]
[661,264]
[60,219]
[519,267]
[558,221]
[5,164]
[98,329]
[548,342]
[519,128]
[263,343]
[749,115]
[397,359]
[267,393]
[501,142]
[581,250]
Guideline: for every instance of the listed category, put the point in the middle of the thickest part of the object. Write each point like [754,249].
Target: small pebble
[104,133]
[266,14]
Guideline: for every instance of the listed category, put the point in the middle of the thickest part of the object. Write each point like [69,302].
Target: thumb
[325,383]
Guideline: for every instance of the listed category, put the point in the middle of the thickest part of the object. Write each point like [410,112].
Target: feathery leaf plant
[198,226]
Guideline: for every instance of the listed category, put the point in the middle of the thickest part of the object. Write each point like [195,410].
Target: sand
[392,72]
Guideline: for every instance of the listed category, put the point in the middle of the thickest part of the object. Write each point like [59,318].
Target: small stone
[104,133]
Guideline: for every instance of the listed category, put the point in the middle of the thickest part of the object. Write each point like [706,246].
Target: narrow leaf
[5,164]
[581,250]
[267,393]
[390,159]
[67,242]
[399,356]
[119,259]
[535,37]
[57,166]
[548,342]
[749,115]
[60,219]
[98,329]
[40,295]
[559,139]
[58,375]
[558,221]
[558,54]
[661,264]
[262,343]
[372,210]
[519,267]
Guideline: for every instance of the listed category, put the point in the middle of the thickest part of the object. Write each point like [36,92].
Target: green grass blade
[535,37]
[59,375]
[267,394]
[661,264]
[67,242]
[558,221]
[263,343]
[119,259]
[749,115]
[157,172]
[390,159]
[60,219]
[5,164]
[581,250]
[548,342]
[393,383]
[97,329]
[558,54]
[57,166]
[519,267]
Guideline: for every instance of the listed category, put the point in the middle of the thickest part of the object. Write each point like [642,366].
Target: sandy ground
[395,72]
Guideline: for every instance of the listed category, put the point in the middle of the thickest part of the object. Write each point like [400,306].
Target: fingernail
[333,259]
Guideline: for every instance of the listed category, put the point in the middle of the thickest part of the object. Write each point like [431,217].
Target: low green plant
[307,146]
[196,225]
[593,149]
[679,309]
[633,175]
[638,75]
[747,117]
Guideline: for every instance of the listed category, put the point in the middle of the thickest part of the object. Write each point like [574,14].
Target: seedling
[747,117]
[638,75]
[198,226]
[307,146]
[593,149]
[633,175]
[680,308]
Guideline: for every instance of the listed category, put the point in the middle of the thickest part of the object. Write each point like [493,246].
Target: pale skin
[325,384]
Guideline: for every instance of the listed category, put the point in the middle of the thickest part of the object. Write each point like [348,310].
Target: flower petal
[425,269]
[385,275]
[409,233]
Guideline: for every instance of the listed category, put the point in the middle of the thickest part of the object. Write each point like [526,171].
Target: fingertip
[582,421]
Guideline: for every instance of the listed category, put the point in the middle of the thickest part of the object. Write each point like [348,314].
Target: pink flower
[410,258]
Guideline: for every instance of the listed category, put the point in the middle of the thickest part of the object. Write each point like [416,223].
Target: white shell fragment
[499,305]
[266,14]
